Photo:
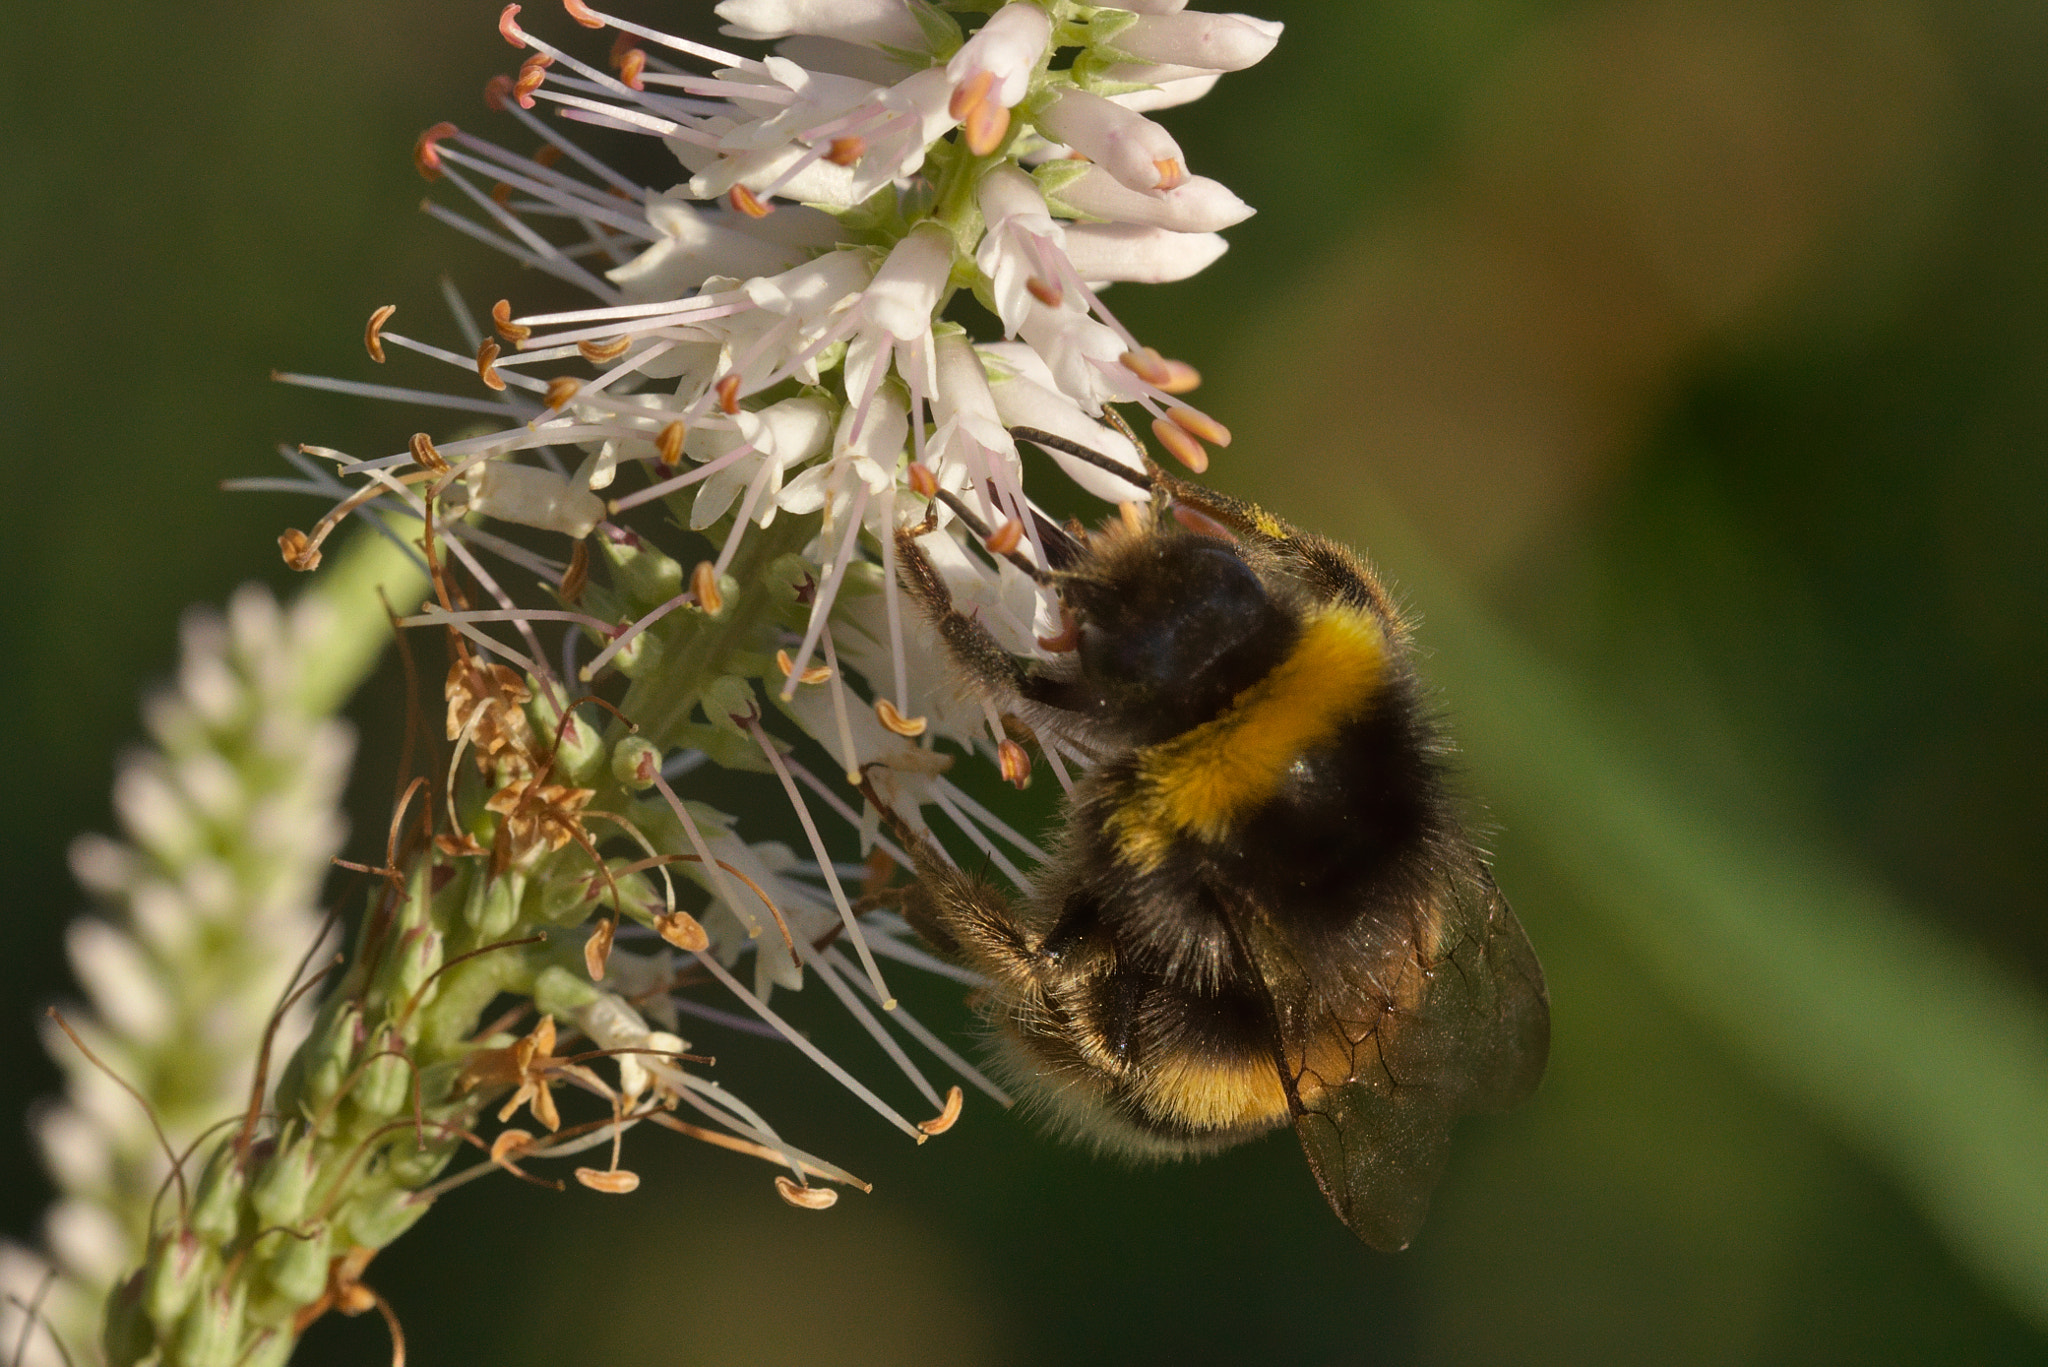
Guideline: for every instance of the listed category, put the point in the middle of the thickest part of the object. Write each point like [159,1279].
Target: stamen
[1199,425]
[915,1028]
[803,813]
[1044,291]
[669,444]
[1014,763]
[856,1008]
[896,721]
[604,353]
[806,1197]
[426,153]
[748,203]
[728,391]
[1005,539]
[816,674]
[704,589]
[841,723]
[373,341]
[948,1114]
[713,872]
[560,390]
[597,950]
[1181,444]
[847,151]
[486,364]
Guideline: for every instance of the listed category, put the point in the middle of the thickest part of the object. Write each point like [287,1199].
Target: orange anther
[426,156]
[509,1145]
[728,391]
[968,95]
[578,574]
[425,456]
[621,45]
[1183,447]
[502,324]
[546,155]
[847,151]
[373,335]
[1014,763]
[501,194]
[669,444]
[896,721]
[942,1122]
[602,353]
[1180,377]
[487,364]
[560,390]
[704,588]
[597,950]
[985,126]
[683,931]
[923,482]
[806,1197]
[508,26]
[616,1182]
[632,67]
[1005,538]
[583,14]
[1044,291]
[1200,425]
[1171,173]
[1148,365]
[816,674]
[497,91]
[298,549]
[1069,636]
[748,203]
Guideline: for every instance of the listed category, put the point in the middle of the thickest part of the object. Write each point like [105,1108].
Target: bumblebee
[1262,908]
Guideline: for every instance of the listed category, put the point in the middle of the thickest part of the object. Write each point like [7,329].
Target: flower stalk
[704,462]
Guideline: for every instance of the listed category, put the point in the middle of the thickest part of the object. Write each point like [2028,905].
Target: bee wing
[1443,1014]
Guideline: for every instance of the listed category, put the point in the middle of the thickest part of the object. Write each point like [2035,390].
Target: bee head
[1172,626]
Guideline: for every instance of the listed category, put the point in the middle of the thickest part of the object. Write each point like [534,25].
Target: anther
[748,203]
[1044,291]
[603,353]
[497,91]
[1148,365]
[1200,425]
[632,67]
[508,26]
[532,74]
[426,156]
[969,94]
[501,194]
[704,588]
[1180,377]
[923,482]
[1133,520]
[1182,446]
[985,127]
[669,444]
[683,931]
[373,335]
[816,674]
[616,1182]
[1004,539]
[502,324]
[621,45]
[1171,173]
[944,1120]
[1069,637]
[578,574]
[508,1146]
[546,155]
[560,390]
[582,14]
[597,950]
[806,1197]
[425,456]
[299,551]
[886,712]
[847,151]
[1014,763]
[487,364]
[1200,523]
[728,391]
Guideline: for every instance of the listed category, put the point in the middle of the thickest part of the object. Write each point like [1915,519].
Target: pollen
[682,930]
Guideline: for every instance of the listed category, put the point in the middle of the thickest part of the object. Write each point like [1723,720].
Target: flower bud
[1137,151]
[385,1086]
[635,762]
[644,577]
[1212,42]
[285,1184]
[377,1219]
[210,1334]
[178,1266]
[217,1213]
[297,1268]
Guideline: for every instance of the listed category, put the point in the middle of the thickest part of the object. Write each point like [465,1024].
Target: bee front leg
[977,653]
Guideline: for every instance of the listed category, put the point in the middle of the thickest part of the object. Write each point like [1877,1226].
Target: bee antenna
[1053,442]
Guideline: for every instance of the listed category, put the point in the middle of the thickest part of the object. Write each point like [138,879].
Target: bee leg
[958,915]
[965,639]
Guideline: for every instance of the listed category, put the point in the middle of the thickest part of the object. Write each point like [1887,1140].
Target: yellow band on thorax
[1202,783]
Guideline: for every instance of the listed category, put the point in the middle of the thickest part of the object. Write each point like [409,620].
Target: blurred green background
[1686,366]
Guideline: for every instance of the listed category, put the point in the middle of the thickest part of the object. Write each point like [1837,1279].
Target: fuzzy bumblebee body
[1262,908]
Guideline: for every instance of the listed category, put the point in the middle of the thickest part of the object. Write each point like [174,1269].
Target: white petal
[533,497]
[1008,47]
[1153,256]
[874,22]
[1124,143]
[1168,89]
[1198,205]
[905,291]
[1213,42]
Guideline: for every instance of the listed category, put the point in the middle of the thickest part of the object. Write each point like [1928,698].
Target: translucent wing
[1424,1013]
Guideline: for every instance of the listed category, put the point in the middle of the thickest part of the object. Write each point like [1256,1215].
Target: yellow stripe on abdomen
[1202,783]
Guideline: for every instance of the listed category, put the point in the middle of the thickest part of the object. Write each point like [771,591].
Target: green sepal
[558,991]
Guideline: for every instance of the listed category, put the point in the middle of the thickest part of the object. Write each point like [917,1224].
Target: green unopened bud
[178,1266]
[271,1348]
[635,762]
[296,1268]
[285,1185]
[326,1060]
[386,1081]
[579,750]
[410,1164]
[414,959]
[559,992]
[376,1220]
[639,656]
[728,701]
[128,1335]
[645,576]
[210,1334]
[217,1214]
[492,907]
